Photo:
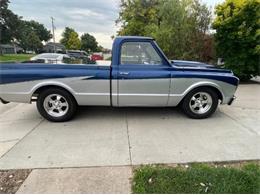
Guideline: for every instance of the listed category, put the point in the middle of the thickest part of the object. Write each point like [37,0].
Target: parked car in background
[79,57]
[97,56]
[52,58]
[77,54]
[103,62]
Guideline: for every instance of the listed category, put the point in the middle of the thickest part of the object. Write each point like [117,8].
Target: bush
[238,36]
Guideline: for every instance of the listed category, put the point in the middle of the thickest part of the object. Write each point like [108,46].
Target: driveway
[101,136]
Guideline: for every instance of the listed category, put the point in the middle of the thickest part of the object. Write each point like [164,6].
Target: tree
[65,36]
[238,36]
[100,49]
[9,23]
[73,41]
[30,41]
[28,34]
[39,29]
[136,15]
[31,35]
[89,43]
[180,27]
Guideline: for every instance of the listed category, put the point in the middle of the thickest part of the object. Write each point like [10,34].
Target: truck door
[143,75]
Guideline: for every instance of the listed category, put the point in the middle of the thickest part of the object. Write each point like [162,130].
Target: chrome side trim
[93,94]
[143,94]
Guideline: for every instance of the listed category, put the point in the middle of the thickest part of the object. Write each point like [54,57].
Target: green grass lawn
[197,178]
[15,57]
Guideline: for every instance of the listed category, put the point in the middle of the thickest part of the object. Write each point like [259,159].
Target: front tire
[56,105]
[200,103]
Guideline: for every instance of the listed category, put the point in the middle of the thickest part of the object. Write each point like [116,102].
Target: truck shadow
[100,111]
[133,112]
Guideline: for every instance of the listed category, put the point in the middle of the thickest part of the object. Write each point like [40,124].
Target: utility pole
[53,35]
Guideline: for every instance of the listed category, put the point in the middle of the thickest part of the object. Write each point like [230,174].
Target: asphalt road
[100,136]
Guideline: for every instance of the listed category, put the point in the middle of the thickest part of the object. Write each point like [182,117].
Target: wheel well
[220,96]
[40,89]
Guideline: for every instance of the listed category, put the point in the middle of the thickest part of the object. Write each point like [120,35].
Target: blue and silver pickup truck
[139,75]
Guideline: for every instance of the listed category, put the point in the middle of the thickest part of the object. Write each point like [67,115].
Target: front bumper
[231,100]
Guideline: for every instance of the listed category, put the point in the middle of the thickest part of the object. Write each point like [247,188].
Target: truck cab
[140,73]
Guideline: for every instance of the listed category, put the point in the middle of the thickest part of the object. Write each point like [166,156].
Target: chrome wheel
[56,105]
[200,103]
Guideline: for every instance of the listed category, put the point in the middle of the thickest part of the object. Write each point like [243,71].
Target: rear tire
[200,103]
[56,105]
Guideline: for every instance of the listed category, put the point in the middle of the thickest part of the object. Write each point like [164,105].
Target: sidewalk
[79,180]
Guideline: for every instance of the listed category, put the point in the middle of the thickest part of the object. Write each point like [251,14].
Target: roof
[118,40]
[134,37]
[9,46]
[6,46]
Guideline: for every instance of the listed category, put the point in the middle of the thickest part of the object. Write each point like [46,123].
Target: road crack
[37,125]
[128,139]
[10,140]
[243,125]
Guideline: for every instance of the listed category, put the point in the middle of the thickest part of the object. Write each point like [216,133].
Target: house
[54,48]
[10,49]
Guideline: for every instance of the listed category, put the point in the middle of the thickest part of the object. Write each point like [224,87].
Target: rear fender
[51,84]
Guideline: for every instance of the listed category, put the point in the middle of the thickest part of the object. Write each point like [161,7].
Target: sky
[96,17]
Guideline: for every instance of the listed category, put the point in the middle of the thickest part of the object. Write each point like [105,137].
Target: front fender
[180,87]
[204,84]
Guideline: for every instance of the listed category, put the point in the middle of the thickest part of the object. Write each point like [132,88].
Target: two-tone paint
[117,85]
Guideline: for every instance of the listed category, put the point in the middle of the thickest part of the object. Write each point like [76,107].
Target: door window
[143,53]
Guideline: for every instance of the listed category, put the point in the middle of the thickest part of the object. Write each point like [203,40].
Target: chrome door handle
[124,73]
